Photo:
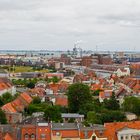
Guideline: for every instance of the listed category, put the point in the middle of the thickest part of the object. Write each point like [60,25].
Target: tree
[7,97]
[132,104]
[1,102]
[36,100]
[31,85]
[112,116]
[112,103]
[93,118]
[55,79]
[2,117]
[53,113]
[36,108]
[78,96]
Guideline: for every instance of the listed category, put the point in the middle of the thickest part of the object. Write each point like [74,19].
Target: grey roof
[92,127]
[71,115]
[34,120]
[64,126]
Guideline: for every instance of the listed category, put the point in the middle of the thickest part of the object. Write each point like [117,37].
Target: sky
[111,25]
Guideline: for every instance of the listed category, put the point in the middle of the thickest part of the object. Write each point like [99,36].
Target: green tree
[30,85]
[78,96]
[132,104]
[93,117]
[53,113]
[7,97]
[36,100]
[36,108]
[55,79]
[2,117]
[1,102]
[112,103]
[112,116]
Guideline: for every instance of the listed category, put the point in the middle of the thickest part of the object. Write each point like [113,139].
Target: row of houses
[36,129]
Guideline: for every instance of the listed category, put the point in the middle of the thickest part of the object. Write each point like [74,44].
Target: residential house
[106,94]
[72,116]
[6,86]
[122,72]
[118,131]
[13,109]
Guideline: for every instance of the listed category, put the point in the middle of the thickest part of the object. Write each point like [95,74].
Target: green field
[17,69]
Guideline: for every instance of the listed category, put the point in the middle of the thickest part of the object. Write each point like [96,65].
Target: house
[37,91]
[9,132]
[123,72]
[106,94]
[13,109]
[130,116]
[118,131]
[58,75]
[41,131]
[72,116]
[63,131]
[6,86]
[30,74]
[13,118]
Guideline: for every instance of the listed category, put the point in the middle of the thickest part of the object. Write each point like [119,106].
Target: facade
[6,86]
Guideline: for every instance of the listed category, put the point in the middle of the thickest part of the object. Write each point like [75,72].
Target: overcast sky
[58,24]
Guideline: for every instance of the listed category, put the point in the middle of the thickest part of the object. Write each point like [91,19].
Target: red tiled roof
[26,97]
[9,108]
[111,129]
[62,101]
[68,133]
[105,94]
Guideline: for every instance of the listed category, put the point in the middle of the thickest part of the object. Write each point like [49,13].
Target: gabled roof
[26,97]
[8,108]
[111,129]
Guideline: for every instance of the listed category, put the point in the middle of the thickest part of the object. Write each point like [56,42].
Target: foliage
[78,96]
[93,117]
[112,116]
[132,104]
[36,108]
[7,97]
[36,100]
[2,117]
[55,79]
[1,102]
[53,113]
[112,103]
[30,85]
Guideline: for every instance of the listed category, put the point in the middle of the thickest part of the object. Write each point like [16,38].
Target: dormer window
[93,137]
[57,133]
[43,136]
[26,136]
[33,136]
[121,137]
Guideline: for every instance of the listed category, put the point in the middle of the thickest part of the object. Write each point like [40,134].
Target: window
[33,136]
[126,137]
[93,138]
[57,134]
[26,136]
[43,136]
[121,137]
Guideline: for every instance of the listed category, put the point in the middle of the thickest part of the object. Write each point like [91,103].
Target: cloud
[45,24]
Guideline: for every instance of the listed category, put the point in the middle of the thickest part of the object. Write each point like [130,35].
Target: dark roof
[71,115]
[34,120]
[64,126]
